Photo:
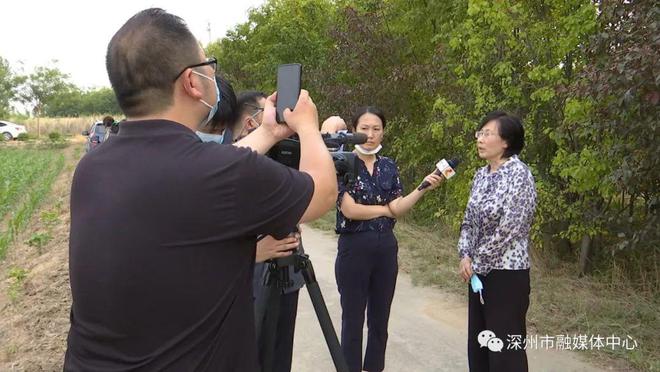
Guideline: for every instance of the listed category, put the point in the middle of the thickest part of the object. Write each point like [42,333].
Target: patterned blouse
[498,217]
[378,189]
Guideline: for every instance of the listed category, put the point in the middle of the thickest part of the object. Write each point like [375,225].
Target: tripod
[268,308]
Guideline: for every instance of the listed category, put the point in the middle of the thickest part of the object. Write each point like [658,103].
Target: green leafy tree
[66,103]
[42,87]
[280,31]
[74,102]
[610,155]
[9,83]
[580,74]
[506,55]
[365,67]
[99,101]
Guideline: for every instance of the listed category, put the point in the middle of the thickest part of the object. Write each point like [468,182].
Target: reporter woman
[366,267]
[494,244]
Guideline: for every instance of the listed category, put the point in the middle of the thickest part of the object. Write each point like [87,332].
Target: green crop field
[26,177]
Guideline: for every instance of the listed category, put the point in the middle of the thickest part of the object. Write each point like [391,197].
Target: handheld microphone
[338,139]
[444,168]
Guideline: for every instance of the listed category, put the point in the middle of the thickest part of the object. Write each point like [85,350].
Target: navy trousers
[366,270]
[506,299]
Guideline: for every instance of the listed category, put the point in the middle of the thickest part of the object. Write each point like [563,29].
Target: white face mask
[209,137]
[214,108]
[364,151]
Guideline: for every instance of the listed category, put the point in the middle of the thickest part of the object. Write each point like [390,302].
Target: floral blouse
[498,218]
[378,189]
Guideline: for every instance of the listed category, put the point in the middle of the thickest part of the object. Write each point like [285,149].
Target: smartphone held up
[288,88]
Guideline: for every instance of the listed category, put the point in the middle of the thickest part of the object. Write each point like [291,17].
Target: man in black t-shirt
[161,263]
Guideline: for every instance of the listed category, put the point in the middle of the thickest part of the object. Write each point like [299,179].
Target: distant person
[161,263]
[494,244]
[333,124]
[114,129]
[108,121]
[108,124]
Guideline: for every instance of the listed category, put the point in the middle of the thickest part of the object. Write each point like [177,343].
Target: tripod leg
[324,318]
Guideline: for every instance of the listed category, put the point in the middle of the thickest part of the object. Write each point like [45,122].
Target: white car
[9,130]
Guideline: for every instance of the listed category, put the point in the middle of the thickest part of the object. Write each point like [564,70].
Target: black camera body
[287,152]
[346,167]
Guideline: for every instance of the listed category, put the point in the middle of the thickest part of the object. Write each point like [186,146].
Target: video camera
[287,152]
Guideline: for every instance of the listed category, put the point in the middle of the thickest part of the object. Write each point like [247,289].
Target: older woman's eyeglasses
[484,133]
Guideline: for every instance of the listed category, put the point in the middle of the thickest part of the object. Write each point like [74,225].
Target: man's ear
[191,84]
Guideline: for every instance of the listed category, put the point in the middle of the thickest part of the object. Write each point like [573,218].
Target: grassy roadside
[560,303]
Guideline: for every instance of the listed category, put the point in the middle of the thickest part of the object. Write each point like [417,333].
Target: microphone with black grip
[338,139]
[444,168]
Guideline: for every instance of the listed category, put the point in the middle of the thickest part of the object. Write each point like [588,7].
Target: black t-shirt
[162,248]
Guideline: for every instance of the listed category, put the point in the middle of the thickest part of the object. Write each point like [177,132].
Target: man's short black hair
[510,129]
[227,112]
[367,110]
[144,57]
[248,101]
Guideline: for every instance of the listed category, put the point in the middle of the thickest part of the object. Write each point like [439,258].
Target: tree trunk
[585,247]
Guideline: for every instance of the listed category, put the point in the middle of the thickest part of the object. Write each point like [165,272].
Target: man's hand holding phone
[270,124]
[304,116]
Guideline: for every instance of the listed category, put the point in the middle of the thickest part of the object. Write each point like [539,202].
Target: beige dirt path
[427,329]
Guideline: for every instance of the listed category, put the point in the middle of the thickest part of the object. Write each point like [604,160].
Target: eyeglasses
[256,108]
[484,133]
[213,62]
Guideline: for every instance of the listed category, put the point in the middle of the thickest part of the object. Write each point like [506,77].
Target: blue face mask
[213,108]
[209,137]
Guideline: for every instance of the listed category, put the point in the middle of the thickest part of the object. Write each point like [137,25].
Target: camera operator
[160,264]
[250,113]
[366,267]
[251,107]
[243,116]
